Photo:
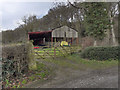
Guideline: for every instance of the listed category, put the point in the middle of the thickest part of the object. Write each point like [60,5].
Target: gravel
[70,78]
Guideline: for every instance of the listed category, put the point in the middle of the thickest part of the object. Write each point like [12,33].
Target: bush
[101,53]
[14,60]
[17,59]
[31,56]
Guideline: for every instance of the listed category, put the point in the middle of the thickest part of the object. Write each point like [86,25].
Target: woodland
[94,19]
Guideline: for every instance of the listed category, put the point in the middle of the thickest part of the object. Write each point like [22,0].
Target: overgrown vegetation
[41,73]
[17,59]
[31,56]
[14,61]
[101,53]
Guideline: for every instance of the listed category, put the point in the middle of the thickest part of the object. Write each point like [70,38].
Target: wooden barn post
[55,40]
[54,51]
[72,40]
[51,41]
[77,41]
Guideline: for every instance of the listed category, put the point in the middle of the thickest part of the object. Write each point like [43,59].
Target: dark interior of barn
[40,38]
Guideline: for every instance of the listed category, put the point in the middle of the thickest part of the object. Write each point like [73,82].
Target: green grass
[59,62]
[41,73]
[74,61]
[43,70]
[95,64]
[32,77]
[41,66]
[24,82]
[46,49]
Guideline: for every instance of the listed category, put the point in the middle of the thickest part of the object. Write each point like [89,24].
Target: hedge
[17,59]
[101,53]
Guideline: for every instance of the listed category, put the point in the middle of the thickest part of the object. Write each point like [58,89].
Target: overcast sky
[13,12]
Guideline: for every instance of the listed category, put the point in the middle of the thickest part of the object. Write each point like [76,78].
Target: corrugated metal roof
[40,32]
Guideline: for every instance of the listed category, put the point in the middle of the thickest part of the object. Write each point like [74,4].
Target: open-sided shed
[39,38]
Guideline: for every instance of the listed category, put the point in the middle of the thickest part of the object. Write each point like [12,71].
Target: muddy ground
[74,78]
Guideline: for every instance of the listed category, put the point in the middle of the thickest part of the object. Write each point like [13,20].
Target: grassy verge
[94,64]
[74,61]
[42,73]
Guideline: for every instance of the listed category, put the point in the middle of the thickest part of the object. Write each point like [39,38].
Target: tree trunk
[108,36]
[95,43]
[78,27]
[113,34]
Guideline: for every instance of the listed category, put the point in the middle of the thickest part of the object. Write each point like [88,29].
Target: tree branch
[73,5]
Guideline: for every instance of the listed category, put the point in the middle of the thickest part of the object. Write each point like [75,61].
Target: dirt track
[69,78]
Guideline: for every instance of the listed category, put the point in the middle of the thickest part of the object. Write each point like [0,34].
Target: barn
[63,33]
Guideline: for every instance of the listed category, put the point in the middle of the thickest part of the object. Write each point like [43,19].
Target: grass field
[95,64]
[74,61]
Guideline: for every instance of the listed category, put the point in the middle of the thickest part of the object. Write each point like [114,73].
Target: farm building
[63,33]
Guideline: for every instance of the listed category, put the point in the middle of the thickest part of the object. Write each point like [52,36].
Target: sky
[11,13]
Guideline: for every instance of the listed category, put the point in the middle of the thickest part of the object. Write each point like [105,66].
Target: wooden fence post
[54,52]
[55,41]
[51,41]
[72,40]
[77,42]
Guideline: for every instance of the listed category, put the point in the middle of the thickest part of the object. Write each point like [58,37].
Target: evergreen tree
[96,20]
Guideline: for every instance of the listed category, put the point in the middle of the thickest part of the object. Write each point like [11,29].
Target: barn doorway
[40,38]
